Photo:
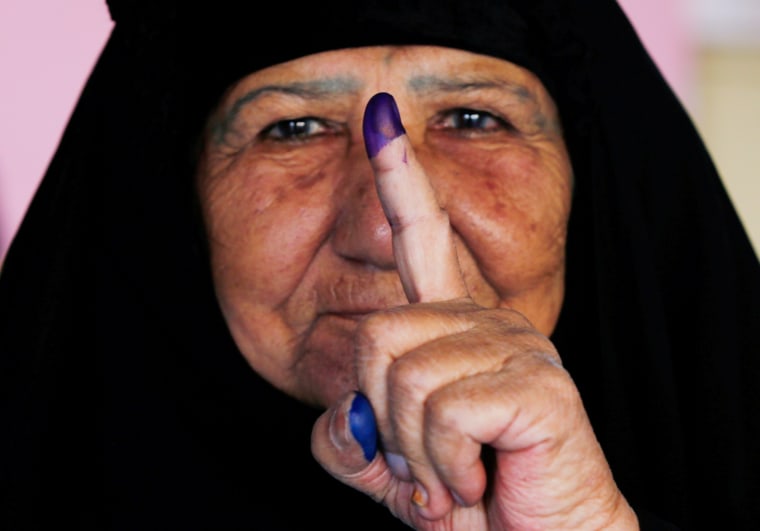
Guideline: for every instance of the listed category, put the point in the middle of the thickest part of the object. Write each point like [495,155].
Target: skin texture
[427,276]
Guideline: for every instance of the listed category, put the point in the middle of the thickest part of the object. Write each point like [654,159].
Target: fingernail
[382,123]
[419,496]
[361,420]
[398,465]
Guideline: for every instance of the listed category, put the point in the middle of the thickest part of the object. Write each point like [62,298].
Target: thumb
[344,443]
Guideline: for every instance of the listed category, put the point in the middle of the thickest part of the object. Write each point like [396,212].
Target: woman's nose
[362,232]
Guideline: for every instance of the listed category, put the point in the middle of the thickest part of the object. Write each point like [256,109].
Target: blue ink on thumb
[382,123]
[361,419]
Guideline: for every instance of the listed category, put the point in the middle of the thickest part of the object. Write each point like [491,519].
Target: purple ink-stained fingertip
[382,122]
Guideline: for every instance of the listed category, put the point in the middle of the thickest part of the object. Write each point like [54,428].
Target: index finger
[423,244]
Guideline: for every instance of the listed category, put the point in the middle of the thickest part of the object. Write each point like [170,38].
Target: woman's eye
[473,120]
[295,129]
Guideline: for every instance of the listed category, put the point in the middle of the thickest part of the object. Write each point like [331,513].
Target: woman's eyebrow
[424,84]
[315,89]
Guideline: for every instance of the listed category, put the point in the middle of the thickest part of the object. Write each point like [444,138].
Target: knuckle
[441,415]
[407,379]
[557,384]
[512,318]
[437,218]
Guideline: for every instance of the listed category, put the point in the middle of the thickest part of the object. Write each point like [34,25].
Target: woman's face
[300,247]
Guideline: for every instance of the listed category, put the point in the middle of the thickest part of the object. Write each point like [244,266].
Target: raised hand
[479,426]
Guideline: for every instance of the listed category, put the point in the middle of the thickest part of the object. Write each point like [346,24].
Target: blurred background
[708,50]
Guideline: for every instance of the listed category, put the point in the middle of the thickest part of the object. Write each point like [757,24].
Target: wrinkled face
[300,248]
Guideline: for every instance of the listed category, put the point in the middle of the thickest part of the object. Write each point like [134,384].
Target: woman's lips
[354,296]
[326,363]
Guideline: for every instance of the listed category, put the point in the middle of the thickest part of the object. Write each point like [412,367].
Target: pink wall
[667,29]
[47,48]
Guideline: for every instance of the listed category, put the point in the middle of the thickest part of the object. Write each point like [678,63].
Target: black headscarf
[126,405]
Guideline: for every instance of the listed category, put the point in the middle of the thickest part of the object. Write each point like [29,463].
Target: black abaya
[124,402]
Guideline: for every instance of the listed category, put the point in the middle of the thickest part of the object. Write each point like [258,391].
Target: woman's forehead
[418,57]
[421,69]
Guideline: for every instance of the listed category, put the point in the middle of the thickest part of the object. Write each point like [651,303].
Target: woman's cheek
[511,213]
[265,229]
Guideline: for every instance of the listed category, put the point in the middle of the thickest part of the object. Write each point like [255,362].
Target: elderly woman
[442,266]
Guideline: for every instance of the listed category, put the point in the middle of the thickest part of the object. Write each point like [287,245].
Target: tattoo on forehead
[431,83]
[221,125]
